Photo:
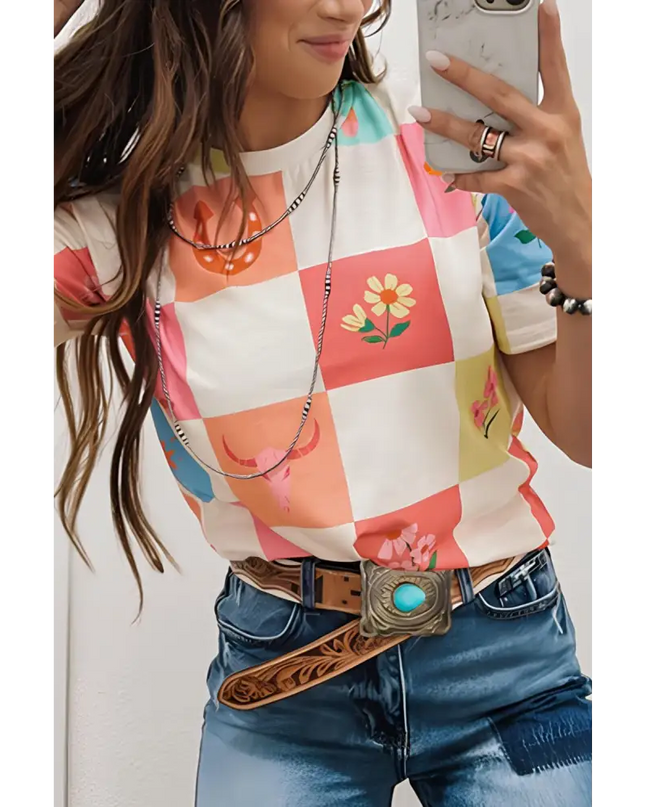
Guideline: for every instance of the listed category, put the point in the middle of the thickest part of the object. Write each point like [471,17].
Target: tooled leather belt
[346,590]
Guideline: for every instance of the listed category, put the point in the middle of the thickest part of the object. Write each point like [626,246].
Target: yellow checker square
[485,414]
[499,326]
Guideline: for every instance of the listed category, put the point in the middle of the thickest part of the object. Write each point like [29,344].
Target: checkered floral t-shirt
[410,455]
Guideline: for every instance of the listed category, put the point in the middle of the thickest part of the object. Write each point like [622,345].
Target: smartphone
[497,36]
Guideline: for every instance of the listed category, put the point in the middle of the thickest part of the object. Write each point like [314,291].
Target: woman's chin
[315,83]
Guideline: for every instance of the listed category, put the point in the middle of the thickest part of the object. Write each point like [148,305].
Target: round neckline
[306,145]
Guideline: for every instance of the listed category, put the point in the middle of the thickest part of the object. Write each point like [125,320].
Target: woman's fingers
[490,90]
[506,100]
[482,182]
[558,92]
[465,132]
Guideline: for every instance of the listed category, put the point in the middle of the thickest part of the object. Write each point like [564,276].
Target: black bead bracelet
[556,298]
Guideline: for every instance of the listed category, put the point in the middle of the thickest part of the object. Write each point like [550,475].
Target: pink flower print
[484,412]
[402,565]
[396,544]
[350,125]
[479,409]
[490,390]
[422,552]
[409,534]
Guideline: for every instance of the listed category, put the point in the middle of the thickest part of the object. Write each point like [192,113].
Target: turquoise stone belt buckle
[395,603]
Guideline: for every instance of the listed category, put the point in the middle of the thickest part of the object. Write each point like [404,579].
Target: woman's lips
[328,51]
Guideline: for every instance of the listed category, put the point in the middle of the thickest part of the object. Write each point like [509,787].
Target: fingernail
[551,7]
[437,60]
[420,114]
[448,178]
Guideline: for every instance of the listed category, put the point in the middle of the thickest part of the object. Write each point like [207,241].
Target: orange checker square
[418,537]
[308,489]
[386,315]
[200,273]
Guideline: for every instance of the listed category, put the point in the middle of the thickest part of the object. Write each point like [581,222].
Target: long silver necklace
[332,140]
[292,207]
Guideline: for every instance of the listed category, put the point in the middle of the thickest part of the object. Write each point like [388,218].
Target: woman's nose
[350,12]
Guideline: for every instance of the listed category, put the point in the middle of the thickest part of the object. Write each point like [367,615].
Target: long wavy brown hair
[137,92]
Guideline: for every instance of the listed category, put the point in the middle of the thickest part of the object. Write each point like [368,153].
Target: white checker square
[248,346]
[328,543]
[488,278]
[96,217]
[67,231]
[366,221]
[233,528]
[497,521]
[167,289]
[529,321]
[373,435]
[459,271]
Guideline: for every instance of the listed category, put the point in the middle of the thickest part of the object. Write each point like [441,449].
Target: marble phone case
[504,43]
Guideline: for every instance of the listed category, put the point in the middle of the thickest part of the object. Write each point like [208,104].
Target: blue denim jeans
[494,713]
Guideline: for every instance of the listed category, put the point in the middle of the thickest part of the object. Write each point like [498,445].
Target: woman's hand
[63,10]
[547,179]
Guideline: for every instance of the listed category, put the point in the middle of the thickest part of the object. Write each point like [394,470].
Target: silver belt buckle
[395,603]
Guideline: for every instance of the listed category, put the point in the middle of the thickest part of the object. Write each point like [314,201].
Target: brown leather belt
[335,589]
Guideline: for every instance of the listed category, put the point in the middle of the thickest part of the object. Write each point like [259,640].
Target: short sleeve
[81,234]
[512,259]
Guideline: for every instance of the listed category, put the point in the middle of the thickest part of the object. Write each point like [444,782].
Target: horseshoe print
[226,263]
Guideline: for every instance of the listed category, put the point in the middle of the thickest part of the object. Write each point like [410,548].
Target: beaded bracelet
[555,297]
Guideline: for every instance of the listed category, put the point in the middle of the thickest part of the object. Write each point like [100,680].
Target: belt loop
[466,585]
[308,583]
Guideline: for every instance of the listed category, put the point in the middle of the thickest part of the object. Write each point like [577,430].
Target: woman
[336,349]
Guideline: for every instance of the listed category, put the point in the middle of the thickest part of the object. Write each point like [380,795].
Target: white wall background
[130,696]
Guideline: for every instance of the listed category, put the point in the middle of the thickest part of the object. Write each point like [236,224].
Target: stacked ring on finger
[493,145]
[483,140]
[490,143]
[477,156]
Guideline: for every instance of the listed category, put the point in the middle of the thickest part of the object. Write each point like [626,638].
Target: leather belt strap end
[326,658]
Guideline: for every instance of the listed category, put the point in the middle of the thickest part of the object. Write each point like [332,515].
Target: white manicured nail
[438,61]
[551,7]
[448,178]
[420,114]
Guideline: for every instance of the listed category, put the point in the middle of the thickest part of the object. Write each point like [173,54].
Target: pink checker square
[444,214]
[174,359]
[175,365]
[386,315]
[416,537]
[274,546]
